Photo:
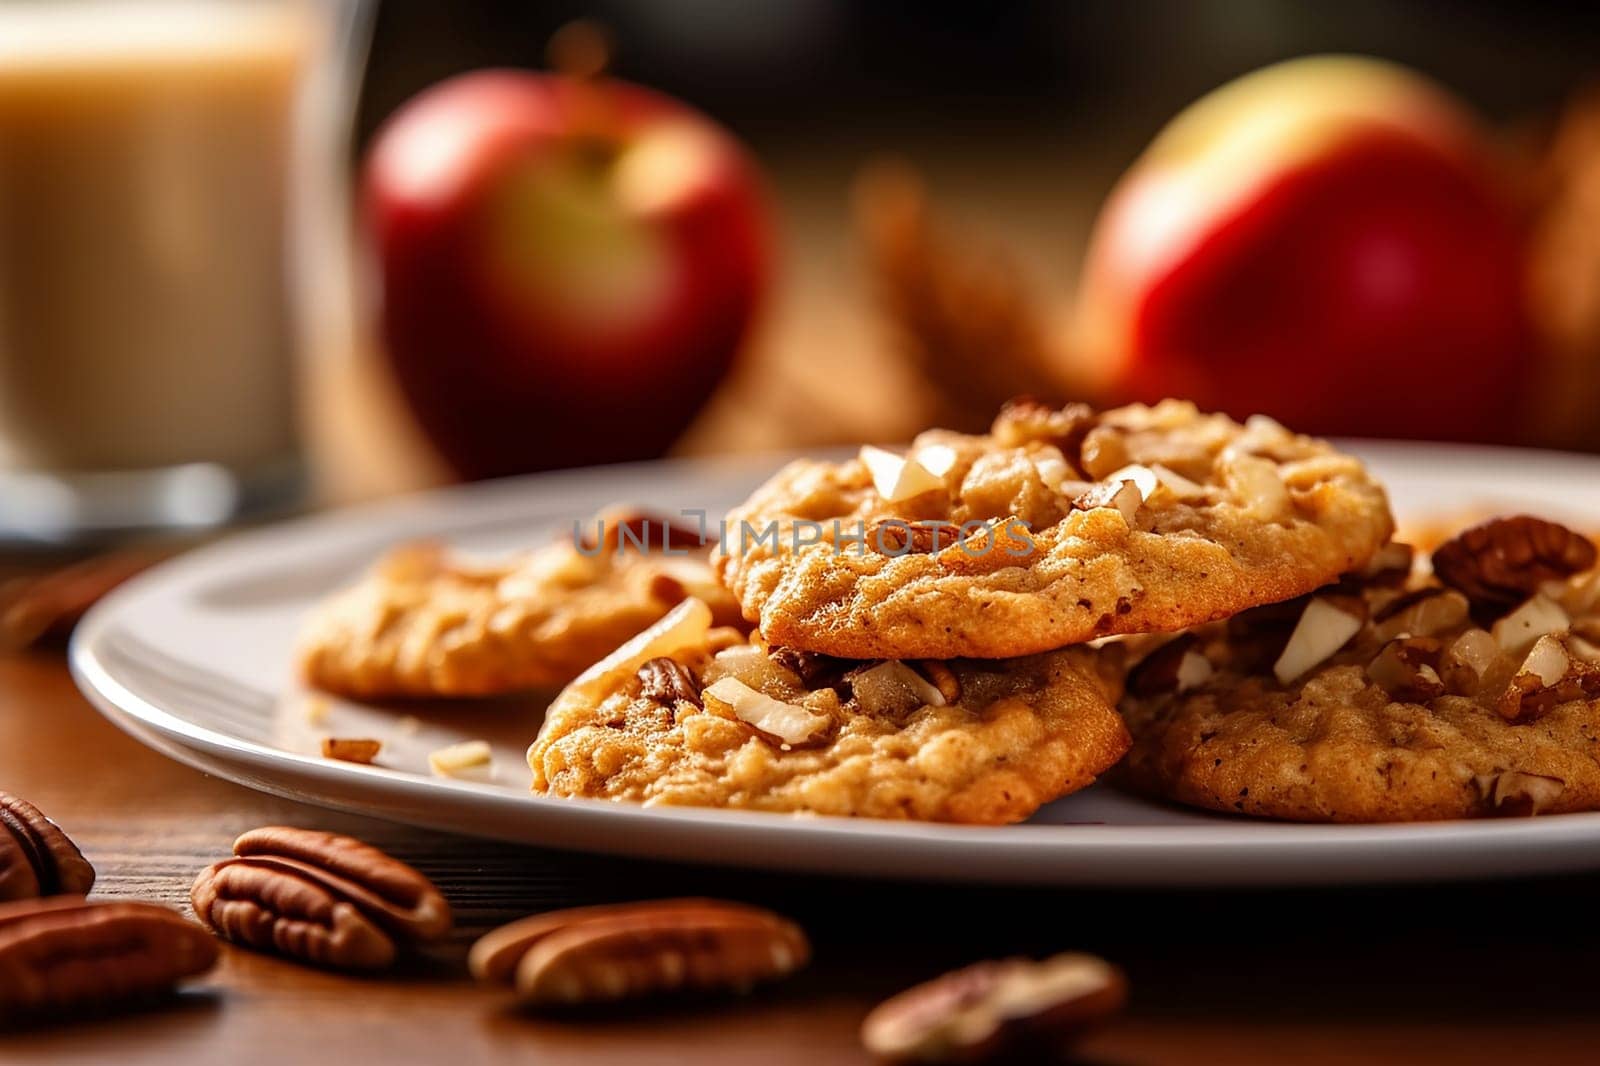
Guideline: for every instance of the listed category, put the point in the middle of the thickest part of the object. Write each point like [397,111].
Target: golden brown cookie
[1055,528]
[427,623]
[688,714]
[1375,702]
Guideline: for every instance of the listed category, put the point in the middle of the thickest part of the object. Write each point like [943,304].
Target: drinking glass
[173,237]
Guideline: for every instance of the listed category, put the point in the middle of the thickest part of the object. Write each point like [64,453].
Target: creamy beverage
[146,159]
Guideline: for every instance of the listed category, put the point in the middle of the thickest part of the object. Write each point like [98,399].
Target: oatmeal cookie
[1443,697]
[688,714]
[428,623]
[1057,527]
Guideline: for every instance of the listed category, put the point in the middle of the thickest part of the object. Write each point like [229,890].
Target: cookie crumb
[361,750]
[471,759]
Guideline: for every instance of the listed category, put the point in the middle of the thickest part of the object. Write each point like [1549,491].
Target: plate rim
[1198,853]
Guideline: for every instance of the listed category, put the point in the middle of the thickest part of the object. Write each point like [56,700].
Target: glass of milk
[173,231]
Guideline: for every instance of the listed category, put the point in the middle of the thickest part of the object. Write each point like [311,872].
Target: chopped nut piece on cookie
[1510,793]
[1326,625]
[1408,668]
[789,724]
[1526,624]
[1123,496]
[668,681]
[898,479]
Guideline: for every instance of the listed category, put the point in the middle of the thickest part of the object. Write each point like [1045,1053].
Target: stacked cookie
[1467,688]
[924,621]
[1214,612]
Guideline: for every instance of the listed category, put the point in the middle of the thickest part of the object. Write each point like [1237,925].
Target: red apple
[1323,241]
[568,266]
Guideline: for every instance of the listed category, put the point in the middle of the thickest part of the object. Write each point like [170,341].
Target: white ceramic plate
[194,659]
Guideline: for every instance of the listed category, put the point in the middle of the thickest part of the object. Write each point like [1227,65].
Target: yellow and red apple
[1324,241]
[568,266]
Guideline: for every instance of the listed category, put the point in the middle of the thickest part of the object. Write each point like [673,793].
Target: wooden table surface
[1496,972]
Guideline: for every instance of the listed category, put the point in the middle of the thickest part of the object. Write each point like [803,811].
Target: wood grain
[1447,974]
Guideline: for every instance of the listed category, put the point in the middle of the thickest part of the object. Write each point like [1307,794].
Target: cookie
[688,714]
[1473,692]
[428,623]
[1057,527]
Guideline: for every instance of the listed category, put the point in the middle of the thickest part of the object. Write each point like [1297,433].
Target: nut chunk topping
[787,724]
[1175,666]
[1548,676]
[1016,1010]
[319,897]
[1514,794]
[1503,561]
[666,681]
[1026,419]
[815,670]
[1408,669]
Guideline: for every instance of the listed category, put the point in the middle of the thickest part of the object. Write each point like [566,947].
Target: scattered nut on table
[65,953]
[36,857]
[603,954]
[351,749]
[318,897]
[1011,1010]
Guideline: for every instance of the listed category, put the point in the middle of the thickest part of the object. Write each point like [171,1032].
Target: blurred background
[258,256]
[1018,120]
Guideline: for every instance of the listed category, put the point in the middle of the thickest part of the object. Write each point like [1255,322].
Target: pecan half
[1503,561]
[36,857]
[319,897]
[632,950]
[65,953]
[1016,1010]
[898,537]
[667,681]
